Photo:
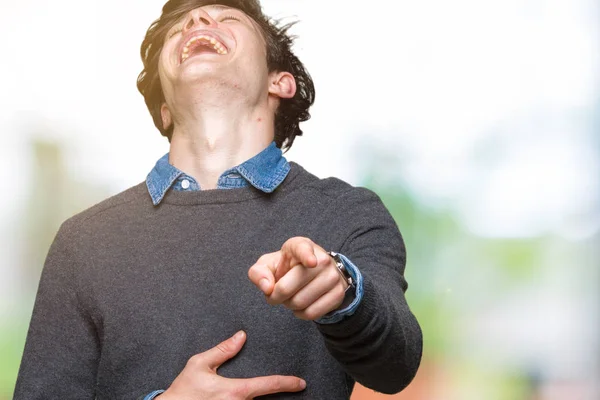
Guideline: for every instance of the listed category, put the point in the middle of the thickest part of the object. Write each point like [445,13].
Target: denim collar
[265,171]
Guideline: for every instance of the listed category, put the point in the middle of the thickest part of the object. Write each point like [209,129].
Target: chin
[209,79]
[202,71]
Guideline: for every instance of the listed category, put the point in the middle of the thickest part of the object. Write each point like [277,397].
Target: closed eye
[176,31]
[225,18]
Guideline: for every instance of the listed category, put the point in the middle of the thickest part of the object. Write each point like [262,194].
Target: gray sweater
[130,291]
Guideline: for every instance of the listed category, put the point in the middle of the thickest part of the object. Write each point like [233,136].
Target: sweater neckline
[220,196]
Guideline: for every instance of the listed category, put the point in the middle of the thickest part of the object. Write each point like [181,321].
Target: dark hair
[280,58]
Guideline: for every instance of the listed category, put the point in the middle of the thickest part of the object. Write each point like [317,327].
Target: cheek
[254,46]
[258,56]
[165,69]
[161,74]
[166,56]
[163,77]
[163,61]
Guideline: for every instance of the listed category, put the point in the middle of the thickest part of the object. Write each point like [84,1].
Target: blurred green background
[476,122]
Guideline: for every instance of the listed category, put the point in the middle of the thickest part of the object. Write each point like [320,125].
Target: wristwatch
[342,269]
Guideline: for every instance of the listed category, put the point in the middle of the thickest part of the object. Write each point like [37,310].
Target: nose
[198,17]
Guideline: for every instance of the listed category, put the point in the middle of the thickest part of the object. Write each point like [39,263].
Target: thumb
[262,275]
[224,351]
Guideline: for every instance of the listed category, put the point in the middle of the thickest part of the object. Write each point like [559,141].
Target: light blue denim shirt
[265,172]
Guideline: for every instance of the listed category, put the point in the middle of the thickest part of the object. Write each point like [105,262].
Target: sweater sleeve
[380,345]
[62,348]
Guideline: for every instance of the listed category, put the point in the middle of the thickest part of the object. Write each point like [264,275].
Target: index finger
[263,385]
[296,251]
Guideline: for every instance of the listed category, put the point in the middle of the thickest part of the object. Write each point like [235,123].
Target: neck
[210,139]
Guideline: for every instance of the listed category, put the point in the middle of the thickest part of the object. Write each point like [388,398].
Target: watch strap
[339,263]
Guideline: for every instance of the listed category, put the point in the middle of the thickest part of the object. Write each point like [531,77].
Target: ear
[282,85]
[166,116]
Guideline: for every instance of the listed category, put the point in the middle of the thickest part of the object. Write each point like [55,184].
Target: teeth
[219,48]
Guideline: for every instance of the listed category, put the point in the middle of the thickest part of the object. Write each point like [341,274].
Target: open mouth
[202,44]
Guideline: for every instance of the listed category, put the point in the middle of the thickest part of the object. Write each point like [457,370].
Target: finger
[291,283]
[302,250]
[222,352]
[296,250]
[325,304]
[263,385]
[311,292]
[262,273]
[283,266]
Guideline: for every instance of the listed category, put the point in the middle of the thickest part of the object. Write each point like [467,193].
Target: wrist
[164,396]
[154,395]
[347,279]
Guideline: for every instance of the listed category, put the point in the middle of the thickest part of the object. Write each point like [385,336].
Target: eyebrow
[219,7]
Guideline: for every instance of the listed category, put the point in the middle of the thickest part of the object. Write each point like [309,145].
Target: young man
[224,236]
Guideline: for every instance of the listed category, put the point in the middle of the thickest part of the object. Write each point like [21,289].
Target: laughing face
[215,45]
